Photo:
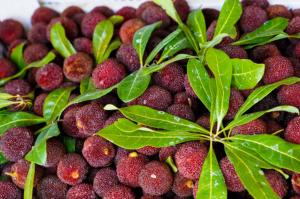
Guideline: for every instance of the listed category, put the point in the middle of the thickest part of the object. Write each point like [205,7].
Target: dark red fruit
[129,168]
[143,6]
[278,11]
[182,111]
[39,103]
[235,102]
[232,180]
[83,44]
[273,126]
[17,87]
[106,11]
[260,53]
[204,121]
[182,8]
[252,18]
[182,187]
[260,3]
[89,22]
[35,52]
[78,67]
[184,98]
[71,12]
[277,182]
[296,52]
[189,90]
[210,15]
[11,30]
[166,152]
[9,191]
[7,68]
[52,187]
[108,73]
[49,77]
[170,78]
[119,191]
[148,150]
[189,159]
[10,145]
[257,126]
[292,131]
[128,29]
[69,25]
[286,95]
[72,169]
[104,180]
[147,196]
[120,154]
[81,191]
[235,51]
[69,122]
[98,152]
[154,13]
[155,178]
[43,15]
[294,25]
[38,33]
[296,182]
[113,118]
[55,152]
[127,12]
[128,56]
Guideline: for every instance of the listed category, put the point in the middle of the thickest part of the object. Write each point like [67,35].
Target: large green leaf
[211,183]
[102,36]
[246,74]
[60,41]
[114,45]
[196,22]
[280,36]
[273,149]
[87,85]
[126,125]
[17,56]
[229,15]
[29,183]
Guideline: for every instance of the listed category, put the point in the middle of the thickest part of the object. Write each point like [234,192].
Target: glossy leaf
[55,103]
[229,15]
[2,159]
[17,56]
[5,103]
[169,7]
[280,36]
[102,36]
[6,96]
[126,126]
[246,74]
[114,45]
[29,183]
[87,85]
[171,164]
[211,183]
[60,41]
[116,19]
[196,22]
[215,41]
[17,119]
[141,38]
[70,143]
[261,92]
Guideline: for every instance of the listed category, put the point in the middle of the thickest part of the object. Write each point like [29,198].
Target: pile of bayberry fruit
[155,102]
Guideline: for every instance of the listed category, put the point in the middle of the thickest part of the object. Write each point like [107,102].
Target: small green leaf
[116,19]
[5,103]
[280,36]
[265,32]
[229,15]
[55,103]
[87,85]
[114,45]
[261,92]
[17,119]
[17,56]
[101,38]
[29,183]
[273,149]
[139,139]
[211,183]
[2,159]
[133,86]
[171,164]
[126,125]
[169,7]
[141,38]
[60,41]
[38,153]
[246,74]
[6,96]
[215,41]
[70,143]
[196,23]
[251,176]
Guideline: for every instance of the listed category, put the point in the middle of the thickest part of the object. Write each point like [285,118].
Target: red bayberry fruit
[11,30]
[257,126]
[35,52]
[286,95]
[292,131]
[277,182]
[38,33]
[252,18]
[104,180]
[7,68]
[9,191]
[278,11]
[83,44]
[52,187]
[55,152]
[43,15]
[81,191]
[182,187]
[89,22]
[119,191]
[128,29]
[128,56]
[127,12]
[49,77]
[182,111]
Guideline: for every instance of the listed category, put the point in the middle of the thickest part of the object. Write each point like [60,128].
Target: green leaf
[273,149]
[215,41]
[266,31]
[139,139]
[246,74]
[161,45]
[55,103]
[196,22]
[169,7]
[133,86]
[2,159]
[116,19]
[229,15]
[211,183]
[102,36]
[220,64]
[141,38]
[17,56]
[6,96]
[17,119]
[5,103]
[126,126]
[171,164]
[261,92]
[266,41]
[251,176]
[199,80]
[60,41]
[38,153]
[70,143]
[48,58]
[114,45]
[29,183]
[87,85]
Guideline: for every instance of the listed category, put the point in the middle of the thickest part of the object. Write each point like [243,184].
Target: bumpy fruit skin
[55,152]
[89,23]
[286,95]
[113,118]
[127,12]
[52,187]
[184,98]
[183,9]
[232,180]
[260,53]
[49,77]
[11,146]
[120,154]
[38,33]
[71,11]
[78,67]
[106,11]
[69,25]
[155,178]
[43,15]
[166,152]
[9,191]
[257,126]
[98,152]
[81,191]
[148,150]
[119,191]
[296,182]
[292,131]
[235,51]
[7,68]
[129,168]
[83,44]
[189,90]
[39,103]
[252,18]
[72,169]
[170,78]
[147,196]
[235,102]
[204,121]
[189,159]
[294,25]
[182,111]
[69,123]
[17,87]
[154,13]
[35,52]
[182,187]
[104,180]
[128,56]
[128,29]
[277,182]
[210,15]
[278,11]
[260,3]
[108,73]
[11,30]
